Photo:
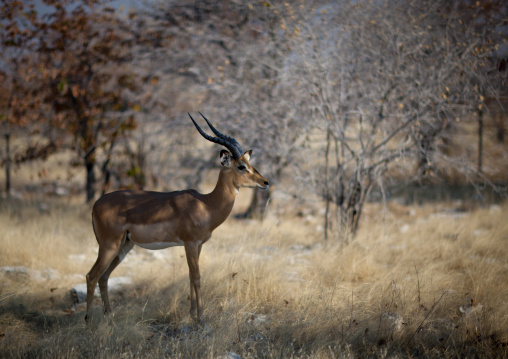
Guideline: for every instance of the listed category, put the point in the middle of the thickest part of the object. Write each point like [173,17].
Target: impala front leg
[193,310]
[192,251]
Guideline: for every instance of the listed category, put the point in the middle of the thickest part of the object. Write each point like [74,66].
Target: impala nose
[266,183]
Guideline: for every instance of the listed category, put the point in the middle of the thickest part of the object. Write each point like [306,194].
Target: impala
[157,220]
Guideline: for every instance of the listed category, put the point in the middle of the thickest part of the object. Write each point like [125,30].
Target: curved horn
[231,140]
[226,141]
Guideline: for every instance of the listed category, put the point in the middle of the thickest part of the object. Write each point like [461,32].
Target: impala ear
[247,155]
[225,158]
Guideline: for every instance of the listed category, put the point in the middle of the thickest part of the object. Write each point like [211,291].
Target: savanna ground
[417,281]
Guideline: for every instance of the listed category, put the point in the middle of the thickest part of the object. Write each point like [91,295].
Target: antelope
[157,220]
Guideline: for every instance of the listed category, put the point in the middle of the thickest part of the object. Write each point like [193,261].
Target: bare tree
[381,82]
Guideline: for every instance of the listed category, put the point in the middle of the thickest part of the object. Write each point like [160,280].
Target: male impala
[156,220]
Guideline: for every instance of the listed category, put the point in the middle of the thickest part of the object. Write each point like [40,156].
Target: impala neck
[221,199]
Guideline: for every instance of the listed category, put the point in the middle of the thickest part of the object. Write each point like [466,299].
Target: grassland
[418,281]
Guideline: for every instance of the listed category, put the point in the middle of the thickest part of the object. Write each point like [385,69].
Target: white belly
[159,245]
[156,239]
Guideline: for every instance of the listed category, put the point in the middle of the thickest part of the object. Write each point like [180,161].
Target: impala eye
[241,167]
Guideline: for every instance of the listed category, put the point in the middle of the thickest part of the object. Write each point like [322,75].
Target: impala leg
[104,259]
[193,310]
[103,280]
[192,252]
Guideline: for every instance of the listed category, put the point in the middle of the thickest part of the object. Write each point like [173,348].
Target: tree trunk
[7,165]
[500,128]
[424,167]
[327,187]
[258,204]
[90,177]
[480,140]
[352,208]
[106,173]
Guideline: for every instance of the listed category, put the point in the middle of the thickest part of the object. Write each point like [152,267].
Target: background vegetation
[359,114]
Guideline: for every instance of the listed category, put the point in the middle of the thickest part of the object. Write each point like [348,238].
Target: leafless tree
[382,82]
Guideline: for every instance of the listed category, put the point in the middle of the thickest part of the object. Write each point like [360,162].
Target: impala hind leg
[104,259]
[103,280]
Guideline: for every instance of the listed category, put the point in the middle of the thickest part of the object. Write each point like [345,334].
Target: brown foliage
[66,74]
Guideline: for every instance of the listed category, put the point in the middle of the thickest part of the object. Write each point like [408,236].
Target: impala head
[234,162]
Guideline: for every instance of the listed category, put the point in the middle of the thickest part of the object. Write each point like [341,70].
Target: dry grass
[271,289]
